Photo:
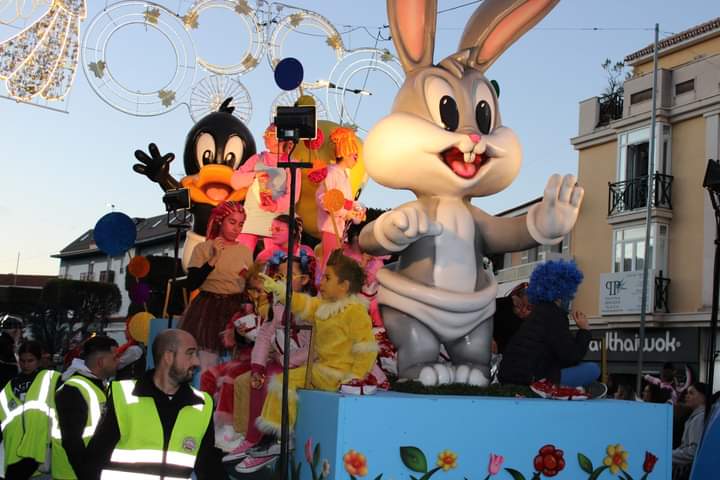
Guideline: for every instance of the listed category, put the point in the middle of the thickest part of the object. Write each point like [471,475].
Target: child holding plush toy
[268,188]
[344,347]
[267,354]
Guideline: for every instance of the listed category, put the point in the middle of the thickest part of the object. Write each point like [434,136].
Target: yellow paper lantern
[139,326]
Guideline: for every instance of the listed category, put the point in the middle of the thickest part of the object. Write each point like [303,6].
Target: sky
[61,172]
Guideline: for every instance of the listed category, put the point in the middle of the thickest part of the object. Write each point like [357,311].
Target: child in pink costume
[268,186]
[278,242]
[338,177]
[267,354]
[371,265]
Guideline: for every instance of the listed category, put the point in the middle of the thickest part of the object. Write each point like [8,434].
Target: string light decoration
[293,22]
[361,61]
[209,93]
[42,58]
[22,9]
[249,58]
[98,68]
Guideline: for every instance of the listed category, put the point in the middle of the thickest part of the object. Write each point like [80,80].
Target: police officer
[79,404]
[26,405]
[158,427]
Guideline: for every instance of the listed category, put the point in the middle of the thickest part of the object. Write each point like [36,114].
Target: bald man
[158,426]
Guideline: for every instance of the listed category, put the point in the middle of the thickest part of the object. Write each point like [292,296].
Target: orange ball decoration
[139,266]
[334,200]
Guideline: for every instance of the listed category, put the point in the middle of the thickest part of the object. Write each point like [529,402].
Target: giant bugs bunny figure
[445,142]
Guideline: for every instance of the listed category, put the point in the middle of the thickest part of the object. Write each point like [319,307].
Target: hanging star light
[42,58]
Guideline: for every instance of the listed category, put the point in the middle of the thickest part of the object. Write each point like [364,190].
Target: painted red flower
[649,462]
[549,461]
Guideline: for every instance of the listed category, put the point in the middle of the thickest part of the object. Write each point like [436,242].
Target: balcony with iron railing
[629,195]
[610,108]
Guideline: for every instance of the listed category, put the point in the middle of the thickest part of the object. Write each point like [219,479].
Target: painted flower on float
[309,450]
[616,459]
[549,461]
[496,462]
[355,463]
[649,463]
[447,460]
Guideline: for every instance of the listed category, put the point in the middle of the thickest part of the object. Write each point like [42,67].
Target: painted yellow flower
[447,460]
[616,459]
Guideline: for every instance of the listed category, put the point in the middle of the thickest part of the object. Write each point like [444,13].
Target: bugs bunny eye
[484,114]
[441,103]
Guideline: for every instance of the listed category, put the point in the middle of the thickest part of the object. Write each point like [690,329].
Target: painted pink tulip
[496,462]
[308,451]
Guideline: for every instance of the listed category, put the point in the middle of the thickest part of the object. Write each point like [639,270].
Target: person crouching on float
[217,267]
[344,347]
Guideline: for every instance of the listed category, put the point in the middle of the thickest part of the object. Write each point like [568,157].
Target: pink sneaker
[253,464]
[239,452]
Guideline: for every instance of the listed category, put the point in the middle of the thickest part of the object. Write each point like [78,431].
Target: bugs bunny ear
[412,26]
[497,24]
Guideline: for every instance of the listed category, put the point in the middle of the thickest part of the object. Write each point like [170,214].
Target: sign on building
[621,293]
[681,345]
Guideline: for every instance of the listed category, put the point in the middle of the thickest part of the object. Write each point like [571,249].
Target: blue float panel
[469,429]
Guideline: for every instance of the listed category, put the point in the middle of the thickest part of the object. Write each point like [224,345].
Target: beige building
[608,242]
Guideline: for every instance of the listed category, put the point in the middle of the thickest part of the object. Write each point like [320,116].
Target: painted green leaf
[585,463]
[597,472]
[379,477]
[414,459]
[316,456]
[413,478]
[430,473]
[515,474]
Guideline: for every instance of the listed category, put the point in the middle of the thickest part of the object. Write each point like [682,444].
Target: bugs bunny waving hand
[445,142]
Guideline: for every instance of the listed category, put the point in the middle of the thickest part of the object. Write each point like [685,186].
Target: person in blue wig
[544,347]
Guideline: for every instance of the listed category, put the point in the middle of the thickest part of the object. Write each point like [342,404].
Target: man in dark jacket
[544,347]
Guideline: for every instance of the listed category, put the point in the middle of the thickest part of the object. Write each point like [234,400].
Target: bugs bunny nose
[474,137]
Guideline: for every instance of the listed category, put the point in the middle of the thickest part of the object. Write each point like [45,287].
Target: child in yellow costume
[344,347]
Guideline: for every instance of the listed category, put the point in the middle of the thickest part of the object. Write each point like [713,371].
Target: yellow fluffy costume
[343,349]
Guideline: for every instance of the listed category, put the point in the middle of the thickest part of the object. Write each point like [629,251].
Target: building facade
[608,243]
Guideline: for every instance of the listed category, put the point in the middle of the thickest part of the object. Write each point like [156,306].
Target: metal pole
[648,213]
[714,313]
[285,422]
[17,269]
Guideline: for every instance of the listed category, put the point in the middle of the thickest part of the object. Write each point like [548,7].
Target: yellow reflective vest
[95,399]
[26,424]
[140,453]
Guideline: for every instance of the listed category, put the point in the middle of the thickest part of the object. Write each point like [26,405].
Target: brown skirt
[207,315]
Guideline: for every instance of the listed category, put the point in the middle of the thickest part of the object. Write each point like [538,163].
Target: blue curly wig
[554,279]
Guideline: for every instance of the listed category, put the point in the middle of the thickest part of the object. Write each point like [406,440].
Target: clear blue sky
[61,171]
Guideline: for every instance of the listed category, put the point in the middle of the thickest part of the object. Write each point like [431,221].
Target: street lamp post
[712,184]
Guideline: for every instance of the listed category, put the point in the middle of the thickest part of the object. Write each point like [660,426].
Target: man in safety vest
[158,427]
[26,407]
[79,405]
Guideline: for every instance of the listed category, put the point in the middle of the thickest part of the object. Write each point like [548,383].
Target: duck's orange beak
[212,185]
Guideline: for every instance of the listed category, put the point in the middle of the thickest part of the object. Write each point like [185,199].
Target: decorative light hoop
[256,38]
[114,93]
[290,97]
[213,89]
[291,22]
[360,60]
[19,9]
